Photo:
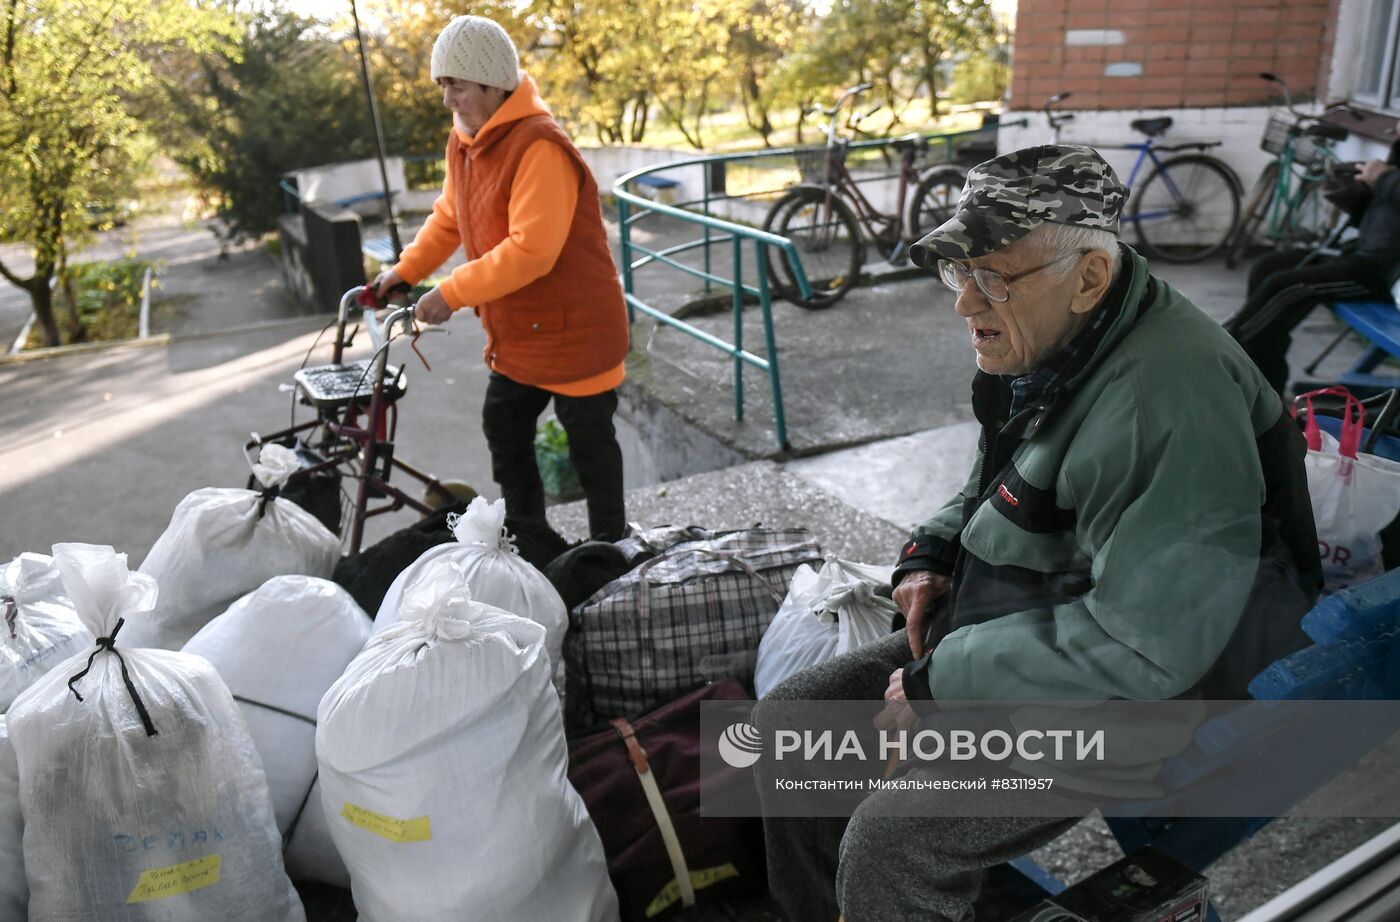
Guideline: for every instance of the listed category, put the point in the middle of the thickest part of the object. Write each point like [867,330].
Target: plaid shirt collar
[1069,360]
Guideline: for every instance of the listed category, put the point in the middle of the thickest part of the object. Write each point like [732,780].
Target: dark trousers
[508,419]
[881,864]
[1280,296]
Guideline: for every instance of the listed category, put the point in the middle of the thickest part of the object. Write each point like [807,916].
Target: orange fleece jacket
[543,196]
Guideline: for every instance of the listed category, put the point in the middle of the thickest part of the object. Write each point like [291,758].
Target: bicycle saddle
[1326,132]
[913,141]
[1152,126]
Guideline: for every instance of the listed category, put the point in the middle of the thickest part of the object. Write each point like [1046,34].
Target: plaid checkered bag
[682,618]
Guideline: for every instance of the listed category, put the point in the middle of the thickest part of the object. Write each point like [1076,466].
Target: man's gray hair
[1058,239]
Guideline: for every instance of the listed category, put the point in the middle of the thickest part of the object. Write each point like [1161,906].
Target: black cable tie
[108,645]
[268,495]
[11,609]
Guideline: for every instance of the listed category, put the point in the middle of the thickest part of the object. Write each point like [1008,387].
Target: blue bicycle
[1187,207]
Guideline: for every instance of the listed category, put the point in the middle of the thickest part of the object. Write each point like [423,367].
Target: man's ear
[1095,277]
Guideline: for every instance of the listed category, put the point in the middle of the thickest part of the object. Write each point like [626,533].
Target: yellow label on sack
[699,880]
[158,883]
[395,830]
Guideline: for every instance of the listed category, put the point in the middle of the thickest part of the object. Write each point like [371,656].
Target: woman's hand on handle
[432,308]
[385,281]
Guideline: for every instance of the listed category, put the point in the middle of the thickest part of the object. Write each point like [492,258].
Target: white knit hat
[476,49]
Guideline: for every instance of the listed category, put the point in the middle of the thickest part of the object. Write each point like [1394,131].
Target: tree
[284,97]
[943,28]
[762,34]
[70,72]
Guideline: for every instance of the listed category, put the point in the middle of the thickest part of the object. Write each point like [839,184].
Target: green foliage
[551,437]
[556,467]
[107,298]
[72,77]
[979,78]
[284,97]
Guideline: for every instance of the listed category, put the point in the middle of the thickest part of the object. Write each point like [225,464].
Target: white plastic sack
[14,892]
[38,627]
[1352,500]
[223,543]
[824,615]
[278,649]
[122,824]
[443,761]
[486,561]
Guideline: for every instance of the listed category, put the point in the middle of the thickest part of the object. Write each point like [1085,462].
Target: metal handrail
[737,235]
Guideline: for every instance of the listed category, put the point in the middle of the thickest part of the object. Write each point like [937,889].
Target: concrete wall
[659,444]
[1149,54]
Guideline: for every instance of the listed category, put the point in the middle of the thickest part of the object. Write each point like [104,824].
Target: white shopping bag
[484,559]
[1354,496]
[279,648]
[222,544]
[143,797]
[824,615]
[443,773]
[14,892]
[38,626]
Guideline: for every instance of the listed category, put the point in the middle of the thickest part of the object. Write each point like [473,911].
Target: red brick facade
[1192,53]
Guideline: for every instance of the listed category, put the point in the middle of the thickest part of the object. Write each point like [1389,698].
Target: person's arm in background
[543,198]
[436,240]
[1383,179]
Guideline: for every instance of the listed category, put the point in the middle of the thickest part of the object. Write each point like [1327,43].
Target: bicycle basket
[812,164]
[1277,131]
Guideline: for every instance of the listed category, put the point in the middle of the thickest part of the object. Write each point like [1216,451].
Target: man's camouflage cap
[1009,196]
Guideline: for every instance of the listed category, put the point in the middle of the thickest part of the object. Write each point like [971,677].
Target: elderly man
[1136,524]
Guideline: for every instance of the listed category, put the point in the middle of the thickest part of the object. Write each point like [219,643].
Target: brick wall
[1147,54]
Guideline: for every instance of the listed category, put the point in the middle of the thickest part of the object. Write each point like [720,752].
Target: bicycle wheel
[1186,209]
[827,238]
[935,200]
[1256,212]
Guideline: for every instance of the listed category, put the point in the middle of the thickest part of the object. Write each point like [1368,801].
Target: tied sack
[14,892]
[443,766]
[278,649]
[222,544]
[1354,495]
[143,796]
[692,614]
[825,614]
[484,558]
[38,627]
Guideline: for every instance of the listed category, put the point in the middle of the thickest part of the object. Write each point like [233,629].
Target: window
[1378,77]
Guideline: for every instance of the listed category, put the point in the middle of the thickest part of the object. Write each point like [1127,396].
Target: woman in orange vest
[539,274]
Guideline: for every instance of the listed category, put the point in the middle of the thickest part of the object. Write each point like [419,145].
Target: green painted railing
[633,207]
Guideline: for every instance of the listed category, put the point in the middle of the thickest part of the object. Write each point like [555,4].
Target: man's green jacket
[1144,532]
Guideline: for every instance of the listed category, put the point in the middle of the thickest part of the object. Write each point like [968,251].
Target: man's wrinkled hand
[897,715]
[914,594]
[1373,171]
[432,308]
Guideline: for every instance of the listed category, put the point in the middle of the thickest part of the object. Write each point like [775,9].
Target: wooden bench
[1378,323]
[1354,655]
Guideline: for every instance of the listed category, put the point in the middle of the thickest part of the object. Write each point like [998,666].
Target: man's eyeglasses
[994,285]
